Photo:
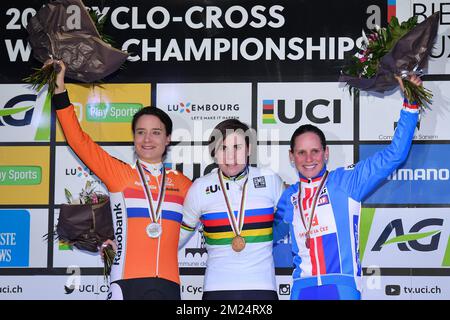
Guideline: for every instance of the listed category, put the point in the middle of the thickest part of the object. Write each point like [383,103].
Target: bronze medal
[238,243]
[308,224]
[308,238]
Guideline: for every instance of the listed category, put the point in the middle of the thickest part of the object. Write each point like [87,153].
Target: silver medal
[154,230]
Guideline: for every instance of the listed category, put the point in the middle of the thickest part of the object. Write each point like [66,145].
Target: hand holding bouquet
[108,252]
[399,50]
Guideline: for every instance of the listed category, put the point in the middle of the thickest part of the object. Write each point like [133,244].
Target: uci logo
[332,109]
[18,116]
[429,241]
[215,188]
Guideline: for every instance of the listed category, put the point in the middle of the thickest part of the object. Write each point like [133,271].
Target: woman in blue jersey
[322,209]
[235,205]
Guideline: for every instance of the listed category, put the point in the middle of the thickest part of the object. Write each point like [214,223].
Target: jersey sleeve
[279,188]
[191,213]
[281,219]
[367,174]
[110,170]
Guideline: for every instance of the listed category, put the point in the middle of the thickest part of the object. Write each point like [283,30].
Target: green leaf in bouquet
[421,95]
[40,77]
[108,259]
[68,196]
[99,22]
[64,245]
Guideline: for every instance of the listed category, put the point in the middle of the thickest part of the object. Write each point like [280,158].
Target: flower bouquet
[59,32]
[86,222]
[108,259]
[397,50]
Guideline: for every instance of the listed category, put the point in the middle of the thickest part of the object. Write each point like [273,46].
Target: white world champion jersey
[253,267]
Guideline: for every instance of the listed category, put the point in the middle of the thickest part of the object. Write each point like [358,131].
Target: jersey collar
[313,179]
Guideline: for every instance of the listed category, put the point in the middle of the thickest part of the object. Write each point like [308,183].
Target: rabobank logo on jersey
[14,238]
[426,171]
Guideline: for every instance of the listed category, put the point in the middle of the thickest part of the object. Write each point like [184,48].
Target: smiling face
[231,155]
[150,139]
[308,154]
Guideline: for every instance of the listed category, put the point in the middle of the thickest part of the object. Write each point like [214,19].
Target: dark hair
[308,128]
[161,115]
[153,111]
[226,127]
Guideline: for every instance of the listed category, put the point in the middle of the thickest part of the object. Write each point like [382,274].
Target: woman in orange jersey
[146,201]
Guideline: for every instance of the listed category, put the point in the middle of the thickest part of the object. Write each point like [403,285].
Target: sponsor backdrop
[272,64]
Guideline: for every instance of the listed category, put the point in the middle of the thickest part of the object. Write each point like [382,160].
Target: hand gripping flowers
[397,50]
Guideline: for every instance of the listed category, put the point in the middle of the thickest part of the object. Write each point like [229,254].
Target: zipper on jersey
[159,238]
[157,253]
[316,256]
[316,253]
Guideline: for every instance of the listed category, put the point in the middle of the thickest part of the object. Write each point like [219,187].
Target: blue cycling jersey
[327,252]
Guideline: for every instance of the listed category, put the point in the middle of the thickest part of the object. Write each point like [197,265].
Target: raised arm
[106,167]
[367,174]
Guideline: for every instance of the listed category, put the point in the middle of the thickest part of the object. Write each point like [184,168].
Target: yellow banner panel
[24,175]
[105,111]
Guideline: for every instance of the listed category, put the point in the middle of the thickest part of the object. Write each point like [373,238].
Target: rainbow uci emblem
[392,6]
[268,112]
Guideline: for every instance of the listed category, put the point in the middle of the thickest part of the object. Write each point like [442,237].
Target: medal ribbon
[235,225]
[313,207]
[154,215]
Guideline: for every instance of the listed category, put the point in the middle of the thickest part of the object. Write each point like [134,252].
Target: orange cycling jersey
[138,255]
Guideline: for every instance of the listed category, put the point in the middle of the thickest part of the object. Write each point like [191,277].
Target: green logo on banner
[411,237]
[112,112]
[12,111]
[367,215]
[43,130]
[20,175]
[446,260]
[402,239]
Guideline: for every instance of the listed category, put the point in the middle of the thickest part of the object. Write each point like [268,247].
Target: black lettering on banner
[309,111]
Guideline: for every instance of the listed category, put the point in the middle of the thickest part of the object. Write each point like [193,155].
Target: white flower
[76,201]
[365,41]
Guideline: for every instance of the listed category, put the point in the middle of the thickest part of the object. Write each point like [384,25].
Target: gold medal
[238,243]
